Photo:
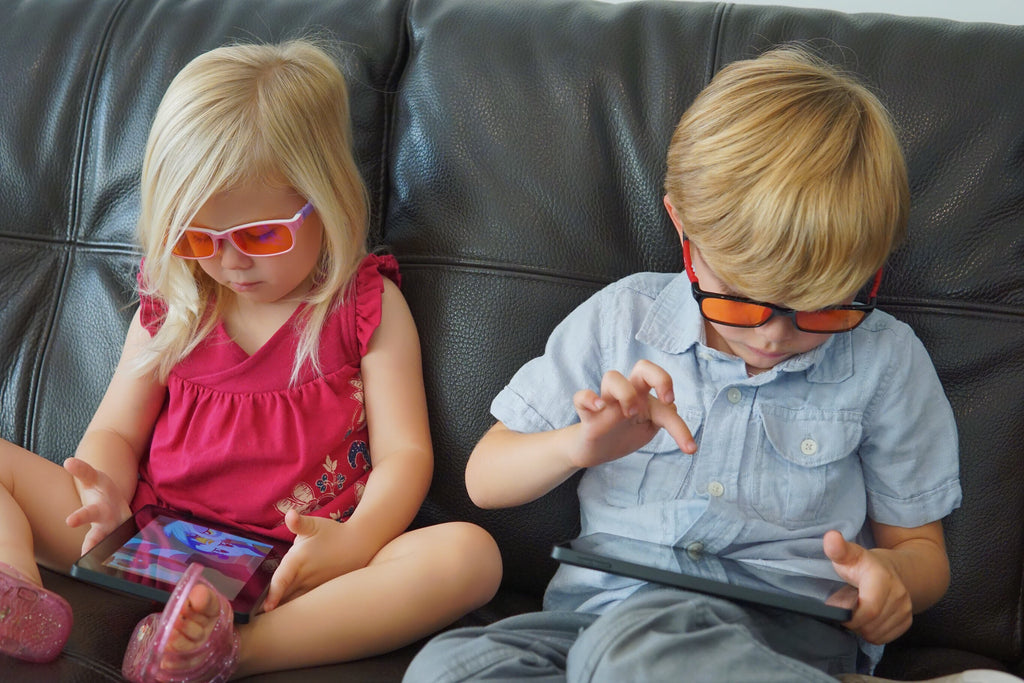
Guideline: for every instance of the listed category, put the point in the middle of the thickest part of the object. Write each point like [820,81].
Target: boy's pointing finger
[665,416]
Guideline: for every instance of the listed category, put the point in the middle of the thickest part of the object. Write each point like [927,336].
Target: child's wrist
[577,451]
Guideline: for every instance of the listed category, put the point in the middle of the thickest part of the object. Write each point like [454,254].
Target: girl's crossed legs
[416,584]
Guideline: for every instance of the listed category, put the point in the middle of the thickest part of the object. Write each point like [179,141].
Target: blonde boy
[748,406]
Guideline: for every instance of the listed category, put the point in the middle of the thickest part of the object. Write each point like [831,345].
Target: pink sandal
[34,622]
[214,661]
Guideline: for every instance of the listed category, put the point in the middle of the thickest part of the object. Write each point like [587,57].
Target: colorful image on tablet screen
[165,547]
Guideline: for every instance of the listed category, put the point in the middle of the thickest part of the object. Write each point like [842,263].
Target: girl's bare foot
[193,639]
[192,630]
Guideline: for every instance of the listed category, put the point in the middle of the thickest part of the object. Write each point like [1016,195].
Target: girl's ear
[675,218]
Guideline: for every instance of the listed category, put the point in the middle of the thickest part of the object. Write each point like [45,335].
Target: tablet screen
[165,547]
[762,583]
[147,555]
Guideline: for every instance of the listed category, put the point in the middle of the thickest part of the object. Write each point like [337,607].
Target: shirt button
[808,446]
[716,488]
[695,550]
[734,395]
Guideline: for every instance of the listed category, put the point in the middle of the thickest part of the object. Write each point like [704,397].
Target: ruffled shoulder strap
[368,291]
[151,311]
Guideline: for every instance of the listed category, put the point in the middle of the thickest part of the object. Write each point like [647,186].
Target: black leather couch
[514,152]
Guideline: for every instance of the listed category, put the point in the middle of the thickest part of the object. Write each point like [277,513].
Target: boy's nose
[777,329]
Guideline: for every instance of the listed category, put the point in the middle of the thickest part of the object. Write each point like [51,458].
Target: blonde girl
[270,379]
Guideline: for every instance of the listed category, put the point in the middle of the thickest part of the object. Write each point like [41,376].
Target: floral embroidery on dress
[303,500]
[342,515]
[357,450]
[306,498]
[359,414]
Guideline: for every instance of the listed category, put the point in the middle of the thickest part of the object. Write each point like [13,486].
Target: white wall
[998,11]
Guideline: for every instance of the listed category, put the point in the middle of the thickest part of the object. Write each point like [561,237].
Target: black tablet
[147,555]
[739,580]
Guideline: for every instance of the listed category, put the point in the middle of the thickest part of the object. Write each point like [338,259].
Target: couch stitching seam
[74,216]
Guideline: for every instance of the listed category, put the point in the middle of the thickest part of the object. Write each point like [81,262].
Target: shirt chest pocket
[656,472]
[801,456]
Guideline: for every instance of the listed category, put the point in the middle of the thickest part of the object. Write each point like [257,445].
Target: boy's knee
[441,660]
[647,634]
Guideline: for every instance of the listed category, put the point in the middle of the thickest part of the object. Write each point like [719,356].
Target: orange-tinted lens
[735,312]
[829,320]
[194,244]
[263,240]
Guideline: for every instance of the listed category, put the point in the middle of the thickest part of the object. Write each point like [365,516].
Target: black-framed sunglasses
[737,311]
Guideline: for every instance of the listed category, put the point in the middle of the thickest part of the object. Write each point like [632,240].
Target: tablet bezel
[569,553]
[91,567]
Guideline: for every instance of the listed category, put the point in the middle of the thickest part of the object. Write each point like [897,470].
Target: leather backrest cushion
[82,80]
[530,142]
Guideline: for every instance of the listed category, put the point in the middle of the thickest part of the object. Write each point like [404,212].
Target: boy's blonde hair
[789,178]
[237,114]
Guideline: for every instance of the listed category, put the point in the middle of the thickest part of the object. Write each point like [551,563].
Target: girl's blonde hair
[788,176]
[237,114]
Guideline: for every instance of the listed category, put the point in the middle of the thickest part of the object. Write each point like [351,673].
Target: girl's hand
[884,608]
[103,505]
[626,415]
[322,551]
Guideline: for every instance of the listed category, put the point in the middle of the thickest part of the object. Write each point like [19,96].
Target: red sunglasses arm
[878,283]
[687,261]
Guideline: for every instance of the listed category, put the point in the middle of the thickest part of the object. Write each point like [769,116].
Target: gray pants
[656,635]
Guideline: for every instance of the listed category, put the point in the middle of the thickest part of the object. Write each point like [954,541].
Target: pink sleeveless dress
[235,443]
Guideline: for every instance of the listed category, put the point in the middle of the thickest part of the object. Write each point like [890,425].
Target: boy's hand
[626,415]
[884,609]
[103,506]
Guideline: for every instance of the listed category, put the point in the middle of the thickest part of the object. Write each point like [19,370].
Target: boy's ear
[675,218]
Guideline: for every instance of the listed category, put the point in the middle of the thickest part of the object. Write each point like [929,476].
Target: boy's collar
[673,323]
[827,364]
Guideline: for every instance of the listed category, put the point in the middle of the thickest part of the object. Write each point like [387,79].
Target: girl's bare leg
[420,582]
[36,496]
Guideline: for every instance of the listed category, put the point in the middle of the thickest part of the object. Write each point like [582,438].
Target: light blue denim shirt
[858,427]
